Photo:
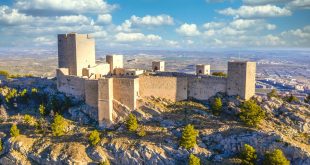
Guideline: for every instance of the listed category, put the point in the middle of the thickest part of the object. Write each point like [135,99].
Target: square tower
[241,79]
[75,52]
[115,61]
[203,69]
[158,66]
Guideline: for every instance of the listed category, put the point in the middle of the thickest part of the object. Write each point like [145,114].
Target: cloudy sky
[158,24]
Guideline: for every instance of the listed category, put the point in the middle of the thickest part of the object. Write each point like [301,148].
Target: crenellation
[110,88]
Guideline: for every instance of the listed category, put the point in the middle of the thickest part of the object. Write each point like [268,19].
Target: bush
[189,135]
[141,133]
[42,110]
[4,73]
[29,120]
[248,155]
[276,158]
[217,106]
[193,160]
[14,131]
[132,123]
[221,74]
[1,148]
[273,93]
[59,125]
[291,98]
[94,137]
[251,113]
[106,162]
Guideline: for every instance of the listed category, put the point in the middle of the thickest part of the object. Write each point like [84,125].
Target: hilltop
[220,139]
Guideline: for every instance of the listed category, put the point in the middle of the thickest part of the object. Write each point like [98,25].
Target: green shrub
[29,120]
[132,123]
[141,133]
[94,137]
[275,158]
[42,110]
[273,93]
[14,131]
[251,113]
[217,106]
[248,155]
[221,74]
[59,125]
[4,73]
[189,135]
[291,98]
[193,160]
[106,162]
[1,148]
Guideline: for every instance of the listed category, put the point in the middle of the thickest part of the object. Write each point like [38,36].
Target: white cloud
[104,18]
[263,2]
[74,6]
[211,25]
[304,4]
[134,37]
[44,41]
[255,24]
[149,20]
[71,19]
[256,11]
[188,30]
[10,16]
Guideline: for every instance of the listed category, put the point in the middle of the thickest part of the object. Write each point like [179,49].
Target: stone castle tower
[75,52]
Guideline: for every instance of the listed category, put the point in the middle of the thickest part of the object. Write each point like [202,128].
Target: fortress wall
[91,93]
[126,90]
[105,101]
[205,87]
[71,85]
[173,88]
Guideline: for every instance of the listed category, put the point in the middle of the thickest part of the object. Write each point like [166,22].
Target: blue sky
[158,24]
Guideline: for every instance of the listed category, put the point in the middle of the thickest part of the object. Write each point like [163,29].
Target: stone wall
[126,90]
[91,93]
[71,85]
[173,88]
[205,87]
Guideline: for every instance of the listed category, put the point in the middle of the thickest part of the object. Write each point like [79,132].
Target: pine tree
[276,158]
[14,131]
[193,160]
[132,123]
[251,113]
[248,155]
[94,137]
[59,125]
[217,106]
[273,93]
[189,135]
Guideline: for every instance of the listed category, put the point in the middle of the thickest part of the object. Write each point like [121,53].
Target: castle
[109,87]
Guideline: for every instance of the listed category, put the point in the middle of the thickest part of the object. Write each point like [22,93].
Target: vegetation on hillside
[248,155]
[189,135]
[193,160]
[94,137]
[132,123]
[273,93]
[1,147]
[251,113]
[217,106]
[275,157]
[59,125]
[14,131]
